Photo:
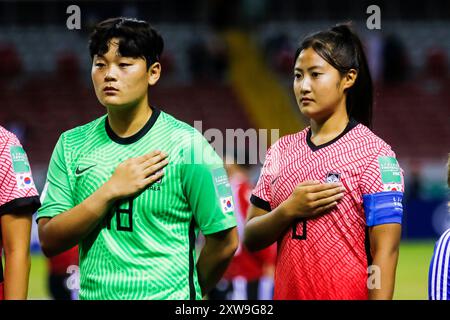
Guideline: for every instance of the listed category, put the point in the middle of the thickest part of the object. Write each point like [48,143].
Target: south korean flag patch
[24,180]
[21,167]
[227,204]
[333,177]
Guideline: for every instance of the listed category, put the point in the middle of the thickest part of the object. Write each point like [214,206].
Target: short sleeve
[261,195]
[382,187]
[56,197]
[207,188]
[382,174]
[18,192]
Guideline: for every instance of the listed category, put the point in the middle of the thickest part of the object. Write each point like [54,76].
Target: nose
[305,85]
[110,74]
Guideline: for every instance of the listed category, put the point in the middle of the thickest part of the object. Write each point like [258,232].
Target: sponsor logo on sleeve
[221,183]
[390,172]
[21,168]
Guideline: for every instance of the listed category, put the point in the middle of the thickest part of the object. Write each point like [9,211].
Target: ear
[154,72]
[350,78]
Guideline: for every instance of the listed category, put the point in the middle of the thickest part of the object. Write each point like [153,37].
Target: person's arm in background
[16,232]
[266,257]
[384,248]
[215,257]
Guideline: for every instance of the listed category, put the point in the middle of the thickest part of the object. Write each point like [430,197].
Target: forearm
[16,276]
[211,265]
[387,264]
[67,229]
[262,231]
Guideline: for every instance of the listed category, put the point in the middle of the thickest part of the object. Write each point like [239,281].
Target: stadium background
[229,64]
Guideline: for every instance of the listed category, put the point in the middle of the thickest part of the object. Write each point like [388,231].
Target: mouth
[306,100]
[110,89]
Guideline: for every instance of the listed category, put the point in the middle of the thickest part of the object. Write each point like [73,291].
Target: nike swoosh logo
[78,171]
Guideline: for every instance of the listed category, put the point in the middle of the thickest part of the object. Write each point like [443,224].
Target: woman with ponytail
[331,194]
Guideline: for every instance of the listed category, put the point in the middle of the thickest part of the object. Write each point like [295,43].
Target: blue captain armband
[383,208]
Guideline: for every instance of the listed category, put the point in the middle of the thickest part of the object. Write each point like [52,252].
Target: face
[318,86]
[122,81]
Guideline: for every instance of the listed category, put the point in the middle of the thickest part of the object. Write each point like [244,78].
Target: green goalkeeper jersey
[145,246]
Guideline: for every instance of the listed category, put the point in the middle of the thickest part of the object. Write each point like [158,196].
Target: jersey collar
[351,124]
[138,135]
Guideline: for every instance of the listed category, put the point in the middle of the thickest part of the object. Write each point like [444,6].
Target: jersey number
[124,216]
[299,230]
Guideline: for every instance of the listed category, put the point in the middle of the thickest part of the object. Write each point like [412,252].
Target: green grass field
[411,282]
[412,270]
[38,278]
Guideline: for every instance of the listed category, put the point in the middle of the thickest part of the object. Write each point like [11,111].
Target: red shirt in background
[249,265]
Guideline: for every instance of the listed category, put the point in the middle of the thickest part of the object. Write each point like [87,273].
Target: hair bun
[344,29]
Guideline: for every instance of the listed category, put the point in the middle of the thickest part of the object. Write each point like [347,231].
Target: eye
[99,65]
[123,64]
[315,74]
[297,75]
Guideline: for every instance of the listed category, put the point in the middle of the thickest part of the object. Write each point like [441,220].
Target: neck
[325,130]
[127,121]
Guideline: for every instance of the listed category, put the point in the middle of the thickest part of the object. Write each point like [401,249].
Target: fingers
[150,155]
[325,208]
[155,159]
[326,201]
[312,197]
[153,178]
[147,156]
[322,187]
[327,193]
[155,167]
[309,183]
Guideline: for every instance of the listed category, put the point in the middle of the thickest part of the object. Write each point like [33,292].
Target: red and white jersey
[326,257]
[17,190]
[249,265]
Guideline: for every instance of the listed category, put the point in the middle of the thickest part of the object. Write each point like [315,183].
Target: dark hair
[137,39]
[341,47]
